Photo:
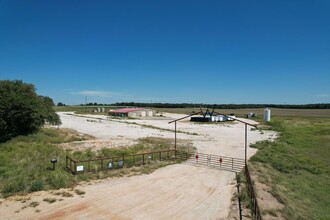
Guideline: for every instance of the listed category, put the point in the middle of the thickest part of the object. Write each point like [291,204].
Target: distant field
[238,112]
[258,111]
[82,109]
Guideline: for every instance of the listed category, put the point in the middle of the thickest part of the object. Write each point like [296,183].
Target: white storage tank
[267,115]
[214,118]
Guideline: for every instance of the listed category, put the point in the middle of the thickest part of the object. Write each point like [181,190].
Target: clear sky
[221,51]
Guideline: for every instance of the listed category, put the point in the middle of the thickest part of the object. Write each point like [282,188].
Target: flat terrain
[179,191]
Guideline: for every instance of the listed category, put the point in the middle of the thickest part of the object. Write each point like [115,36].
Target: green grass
[25,161]
[298,166]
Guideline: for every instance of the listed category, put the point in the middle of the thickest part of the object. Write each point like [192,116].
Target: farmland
[294,167]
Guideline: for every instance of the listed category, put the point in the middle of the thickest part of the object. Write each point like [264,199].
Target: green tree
[22,111]
[48,112]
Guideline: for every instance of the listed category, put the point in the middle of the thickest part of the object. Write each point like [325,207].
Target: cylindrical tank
[267,115]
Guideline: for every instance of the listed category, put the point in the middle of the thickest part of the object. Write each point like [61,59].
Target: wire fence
[109,163]
[255,210]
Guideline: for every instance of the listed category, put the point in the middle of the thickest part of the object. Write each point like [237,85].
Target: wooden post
[175,137]
[245,142]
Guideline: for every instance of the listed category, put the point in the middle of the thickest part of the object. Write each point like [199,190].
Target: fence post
[239,196]
[101,164]
[142,159]
[75,167]
[66,161]
[232,163]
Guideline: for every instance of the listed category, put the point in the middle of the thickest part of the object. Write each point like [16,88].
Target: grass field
[25,161]
[297,166]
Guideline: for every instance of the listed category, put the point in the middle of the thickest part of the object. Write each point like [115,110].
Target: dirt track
[175,192]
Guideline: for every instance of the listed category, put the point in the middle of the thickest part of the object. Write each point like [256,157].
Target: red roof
[126,110]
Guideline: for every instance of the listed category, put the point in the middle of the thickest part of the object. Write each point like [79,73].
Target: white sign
[80,168]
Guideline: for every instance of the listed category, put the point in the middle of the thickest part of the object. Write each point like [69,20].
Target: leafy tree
[22,111]
[60,104]
[48,112]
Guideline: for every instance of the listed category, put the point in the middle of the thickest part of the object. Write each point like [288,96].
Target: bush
[37,186]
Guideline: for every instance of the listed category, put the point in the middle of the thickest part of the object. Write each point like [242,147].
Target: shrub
[37,186]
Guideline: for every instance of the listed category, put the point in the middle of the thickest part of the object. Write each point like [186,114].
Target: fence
[210,160]
[109,163]
[255,210]
[217,161]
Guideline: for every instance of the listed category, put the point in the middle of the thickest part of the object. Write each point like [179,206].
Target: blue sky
[223,51]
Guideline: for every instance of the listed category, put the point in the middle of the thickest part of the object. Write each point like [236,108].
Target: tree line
[221,106]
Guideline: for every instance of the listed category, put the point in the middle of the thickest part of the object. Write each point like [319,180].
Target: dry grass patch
[79,192]
[50,200]
[33,204]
